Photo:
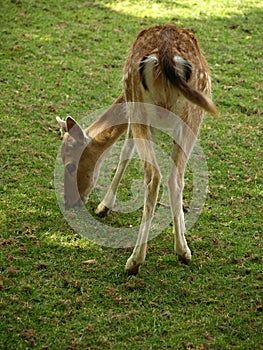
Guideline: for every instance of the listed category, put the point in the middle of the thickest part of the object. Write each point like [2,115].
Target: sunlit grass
[183,9]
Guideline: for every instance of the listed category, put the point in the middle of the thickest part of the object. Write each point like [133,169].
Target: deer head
[76,153]
[83,151]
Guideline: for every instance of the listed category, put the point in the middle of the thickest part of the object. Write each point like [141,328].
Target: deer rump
[173,70]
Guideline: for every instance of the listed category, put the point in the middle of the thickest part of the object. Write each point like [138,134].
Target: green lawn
[60,291]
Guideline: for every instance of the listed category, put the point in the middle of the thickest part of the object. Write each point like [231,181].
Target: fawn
[165,68]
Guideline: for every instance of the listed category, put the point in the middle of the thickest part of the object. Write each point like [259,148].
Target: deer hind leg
[175,187]
[152,178]
[126,155]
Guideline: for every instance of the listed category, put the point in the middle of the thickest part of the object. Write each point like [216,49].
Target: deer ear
[62,123]
[75,130]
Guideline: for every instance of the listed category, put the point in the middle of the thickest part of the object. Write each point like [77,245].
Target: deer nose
[68,206]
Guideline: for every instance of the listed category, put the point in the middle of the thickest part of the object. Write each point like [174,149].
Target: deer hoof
[185,258]
[102,210]
[132,268]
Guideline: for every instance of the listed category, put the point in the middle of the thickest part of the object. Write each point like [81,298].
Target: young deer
[165,68]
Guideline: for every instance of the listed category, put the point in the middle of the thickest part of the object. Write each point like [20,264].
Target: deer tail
[175,69]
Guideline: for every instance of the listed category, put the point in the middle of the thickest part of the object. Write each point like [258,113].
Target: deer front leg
[175,187]
[125,157]
[152,183]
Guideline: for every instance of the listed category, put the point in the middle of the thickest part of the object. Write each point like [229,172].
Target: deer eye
[71,167]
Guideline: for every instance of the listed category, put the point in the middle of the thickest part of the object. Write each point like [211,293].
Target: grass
[60,291]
